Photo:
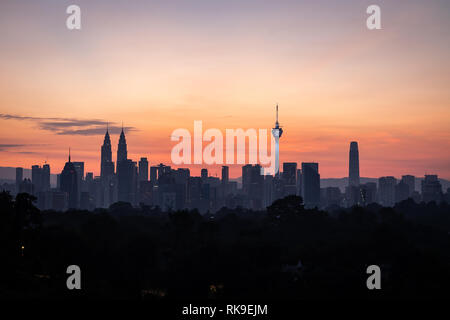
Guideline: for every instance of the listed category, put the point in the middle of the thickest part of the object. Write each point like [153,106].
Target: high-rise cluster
[174,189]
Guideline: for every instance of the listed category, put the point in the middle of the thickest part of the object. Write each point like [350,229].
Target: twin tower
[107,165]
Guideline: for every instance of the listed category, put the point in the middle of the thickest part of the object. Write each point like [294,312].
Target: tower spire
[276,122]
[277,112]
[69,154]
[107,127]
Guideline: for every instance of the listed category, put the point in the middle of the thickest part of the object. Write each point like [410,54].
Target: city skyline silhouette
[163,185]
[228,64]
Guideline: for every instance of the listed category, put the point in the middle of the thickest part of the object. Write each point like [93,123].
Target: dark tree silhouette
[284,252]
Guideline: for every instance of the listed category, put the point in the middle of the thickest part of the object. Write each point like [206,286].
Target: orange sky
[160,66]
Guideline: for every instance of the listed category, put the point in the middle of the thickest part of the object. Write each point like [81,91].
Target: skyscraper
[19,178]
[431,189]
[69,183]
[122,149]
[225,175]
[106,164]
[46,177]
[386,191]
[353,165]
[204,174]
[225,182]
[289,173]
[153,174]
[36,178]
[257,188]
[126,173]
[411,182]
[163,170]
[299,182]
[310,184]
[79,168]
[143,169]
[253,185]
[246,178]
[401,191]
[127,178]
[107,184]
[277,131]
[289,178]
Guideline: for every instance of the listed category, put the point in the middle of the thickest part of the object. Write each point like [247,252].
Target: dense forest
[284,252]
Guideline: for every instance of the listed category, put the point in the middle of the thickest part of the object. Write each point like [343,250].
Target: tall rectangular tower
[36,178]
[225,174]
[46,177]
[143,169]
[19,178]
[353,165]
[311,184]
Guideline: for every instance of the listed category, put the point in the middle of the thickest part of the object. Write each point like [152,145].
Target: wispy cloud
[17,148]
[92,131]
[70,126]
[5,147]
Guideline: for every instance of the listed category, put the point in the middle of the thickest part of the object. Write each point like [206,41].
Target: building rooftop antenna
[277,113]
[277,124]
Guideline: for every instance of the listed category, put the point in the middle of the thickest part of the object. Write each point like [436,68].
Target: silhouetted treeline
[285,252]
